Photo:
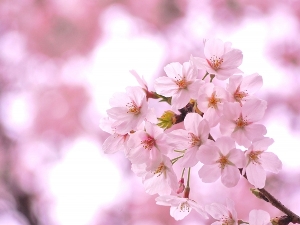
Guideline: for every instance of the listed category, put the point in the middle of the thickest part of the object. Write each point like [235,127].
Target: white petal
[209,173]
[230,176]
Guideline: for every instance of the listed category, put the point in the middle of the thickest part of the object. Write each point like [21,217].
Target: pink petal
[232,59]
[230,176]
[139,79]
[252,83]
[189,159]
[181,98]
[212,116]
[240,137]
[165,86]
[231,110]
[173,70]
[225,144]
[178,139]
[213,47]
[262,144]
[136,94]
[114,143]
[254,109]
[189,71]
[270,162]
[258,217]
[226,126]
[208,154]
[254,131]
[216,210]
[178,214]
[192,122]
[237,157]
[201,63]
[234,83]
[256,175]
[209,173]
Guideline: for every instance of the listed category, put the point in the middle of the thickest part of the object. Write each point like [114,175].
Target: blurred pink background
[60,61]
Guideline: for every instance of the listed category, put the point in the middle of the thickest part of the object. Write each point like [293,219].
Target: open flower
[161,180]
[224,215]
[241,88]
[221,159]
[210,102]
[147,146]
[220,59]
[128,109]
[240,122]
[258,161]
[180,207]
[181,83]
[191,139]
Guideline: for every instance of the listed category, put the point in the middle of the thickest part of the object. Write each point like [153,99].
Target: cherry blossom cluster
[206,106]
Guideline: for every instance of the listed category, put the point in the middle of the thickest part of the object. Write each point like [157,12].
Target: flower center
[184,206]
[227,221]
[241,122]
[148,143]
[181,82]
[239,95]
[254,156]
[213,100]
[215,62]
[161,169]
[194,140]
[133,108]
[223,161]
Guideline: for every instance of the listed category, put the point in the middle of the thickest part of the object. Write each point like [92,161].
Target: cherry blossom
[241,88]
[140,80]
[191,139]
[115,142]
[259,217]
[221,159]
[239,122]
[224,215]
[162,180]
[258,161]
[180,207]
[210,102]
[128,109]
[146,146]
[220,59]
[181,83]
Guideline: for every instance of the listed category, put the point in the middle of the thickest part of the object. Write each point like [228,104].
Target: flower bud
[166,120]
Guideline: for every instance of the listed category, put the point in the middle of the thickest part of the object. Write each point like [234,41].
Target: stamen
[184,206]
[254,157]
[181,82]
[239,95]
[223,161]
[227,220]
[215,62]
[161,169]
[213,100]
[148,143]
[241,122]
[194,140]
[133,108]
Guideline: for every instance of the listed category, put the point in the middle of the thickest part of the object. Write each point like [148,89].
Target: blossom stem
[188,180]
[182,172]
[205,75]
[176,159]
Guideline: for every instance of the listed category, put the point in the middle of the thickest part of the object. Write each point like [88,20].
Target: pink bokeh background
[60,61]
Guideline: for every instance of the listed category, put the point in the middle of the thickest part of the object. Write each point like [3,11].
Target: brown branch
[276,203]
